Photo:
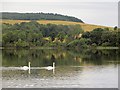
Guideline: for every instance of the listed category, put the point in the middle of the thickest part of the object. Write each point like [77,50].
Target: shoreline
[99,48]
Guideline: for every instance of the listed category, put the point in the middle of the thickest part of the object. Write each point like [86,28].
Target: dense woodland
[38,16]
[33,34]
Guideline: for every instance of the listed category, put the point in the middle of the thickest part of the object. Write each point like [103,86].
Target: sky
[103,12]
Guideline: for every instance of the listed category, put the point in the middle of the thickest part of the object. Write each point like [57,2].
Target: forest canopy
[39,16]
[33,34]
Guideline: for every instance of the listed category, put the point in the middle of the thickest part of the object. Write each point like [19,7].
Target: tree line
[39,16]
[33,34]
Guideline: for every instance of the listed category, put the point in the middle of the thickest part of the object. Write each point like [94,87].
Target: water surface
[73,69]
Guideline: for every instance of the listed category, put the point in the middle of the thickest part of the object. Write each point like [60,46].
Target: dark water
[73,68]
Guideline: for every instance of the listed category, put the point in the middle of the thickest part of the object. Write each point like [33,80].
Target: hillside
[70,35]
[39,16]
[86,27]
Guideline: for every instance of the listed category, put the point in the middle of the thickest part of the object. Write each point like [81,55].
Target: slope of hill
[39,16]
[86,27]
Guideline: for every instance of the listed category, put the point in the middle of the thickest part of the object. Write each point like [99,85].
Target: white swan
[51,67]
[26,67]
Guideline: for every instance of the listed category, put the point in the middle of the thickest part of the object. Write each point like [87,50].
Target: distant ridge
[38,16]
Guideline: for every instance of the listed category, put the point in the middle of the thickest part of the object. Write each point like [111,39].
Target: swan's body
[26,67]
[51,67]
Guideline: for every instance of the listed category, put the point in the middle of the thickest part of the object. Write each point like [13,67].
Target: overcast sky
[100,13]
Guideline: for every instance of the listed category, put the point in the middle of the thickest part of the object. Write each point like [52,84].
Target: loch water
[73,68]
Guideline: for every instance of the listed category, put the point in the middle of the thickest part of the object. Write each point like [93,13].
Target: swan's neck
[29,65]
[53,64]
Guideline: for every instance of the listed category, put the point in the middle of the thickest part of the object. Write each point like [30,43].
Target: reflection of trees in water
[96,57]
[60,57]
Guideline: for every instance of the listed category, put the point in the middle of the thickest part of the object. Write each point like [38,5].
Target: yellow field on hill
[13,21]
[86,27]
